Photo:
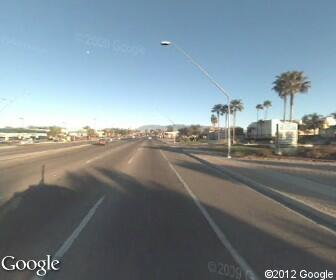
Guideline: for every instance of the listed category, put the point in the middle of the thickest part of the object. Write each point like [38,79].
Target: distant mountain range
[157,126]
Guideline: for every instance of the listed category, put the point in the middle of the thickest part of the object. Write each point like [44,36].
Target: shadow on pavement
[287,164]
[143,230]
[273,183]
[287,183]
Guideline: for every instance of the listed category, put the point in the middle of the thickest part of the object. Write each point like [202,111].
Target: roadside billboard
[287,133]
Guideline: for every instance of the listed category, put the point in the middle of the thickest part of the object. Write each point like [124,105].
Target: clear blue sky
[80,60]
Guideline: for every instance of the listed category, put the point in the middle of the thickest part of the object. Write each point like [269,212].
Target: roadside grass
[246,151]
[317,152]
[322,152]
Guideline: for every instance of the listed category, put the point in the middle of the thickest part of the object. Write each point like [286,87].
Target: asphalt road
[28,148]
[138,209]
[310,183]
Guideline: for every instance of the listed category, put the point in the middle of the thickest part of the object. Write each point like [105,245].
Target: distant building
[78,133]
[329,132]
[213,133]
[100,133]
[21,133]
[64,131]
[273,130]
[171,134]
[329,122]
[326,128]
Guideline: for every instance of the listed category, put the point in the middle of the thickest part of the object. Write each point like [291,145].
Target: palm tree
[235,106]
[279,87]
[259,107]
[217,109]
[214,119]
[89,131]
[313,121]
[289,84]
[225,112]
[266,105]
[333,115]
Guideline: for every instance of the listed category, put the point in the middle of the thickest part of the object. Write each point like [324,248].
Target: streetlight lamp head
[165,43]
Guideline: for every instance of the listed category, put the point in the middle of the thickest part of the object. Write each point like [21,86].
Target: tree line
[314,121]
[55,131]
[236,105]
[287,85]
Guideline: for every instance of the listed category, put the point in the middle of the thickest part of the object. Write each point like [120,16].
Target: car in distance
[101,141]
[27,141]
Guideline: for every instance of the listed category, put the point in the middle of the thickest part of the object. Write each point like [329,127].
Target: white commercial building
[171,134]
[285,133]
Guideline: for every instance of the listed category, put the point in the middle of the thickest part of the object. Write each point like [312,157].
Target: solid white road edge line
[249,273]
[67,244]
[131,159]
[228,172]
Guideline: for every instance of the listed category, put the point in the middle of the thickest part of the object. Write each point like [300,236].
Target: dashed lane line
[249,273]
[70,240]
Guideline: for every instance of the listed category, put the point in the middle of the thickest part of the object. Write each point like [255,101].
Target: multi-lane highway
[141,209]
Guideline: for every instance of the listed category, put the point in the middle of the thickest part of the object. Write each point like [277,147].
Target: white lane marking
[67,244]
[132,158]
[92,160]
[221,236]
[99,157]
[234,175]
[107,153]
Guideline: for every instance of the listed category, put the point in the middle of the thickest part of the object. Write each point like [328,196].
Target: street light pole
[212,80]
[173,124]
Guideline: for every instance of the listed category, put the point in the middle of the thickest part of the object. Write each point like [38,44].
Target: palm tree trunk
[285,108]
[218,127]
[257,123]
[234,128]
[265,116]
[291,113]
